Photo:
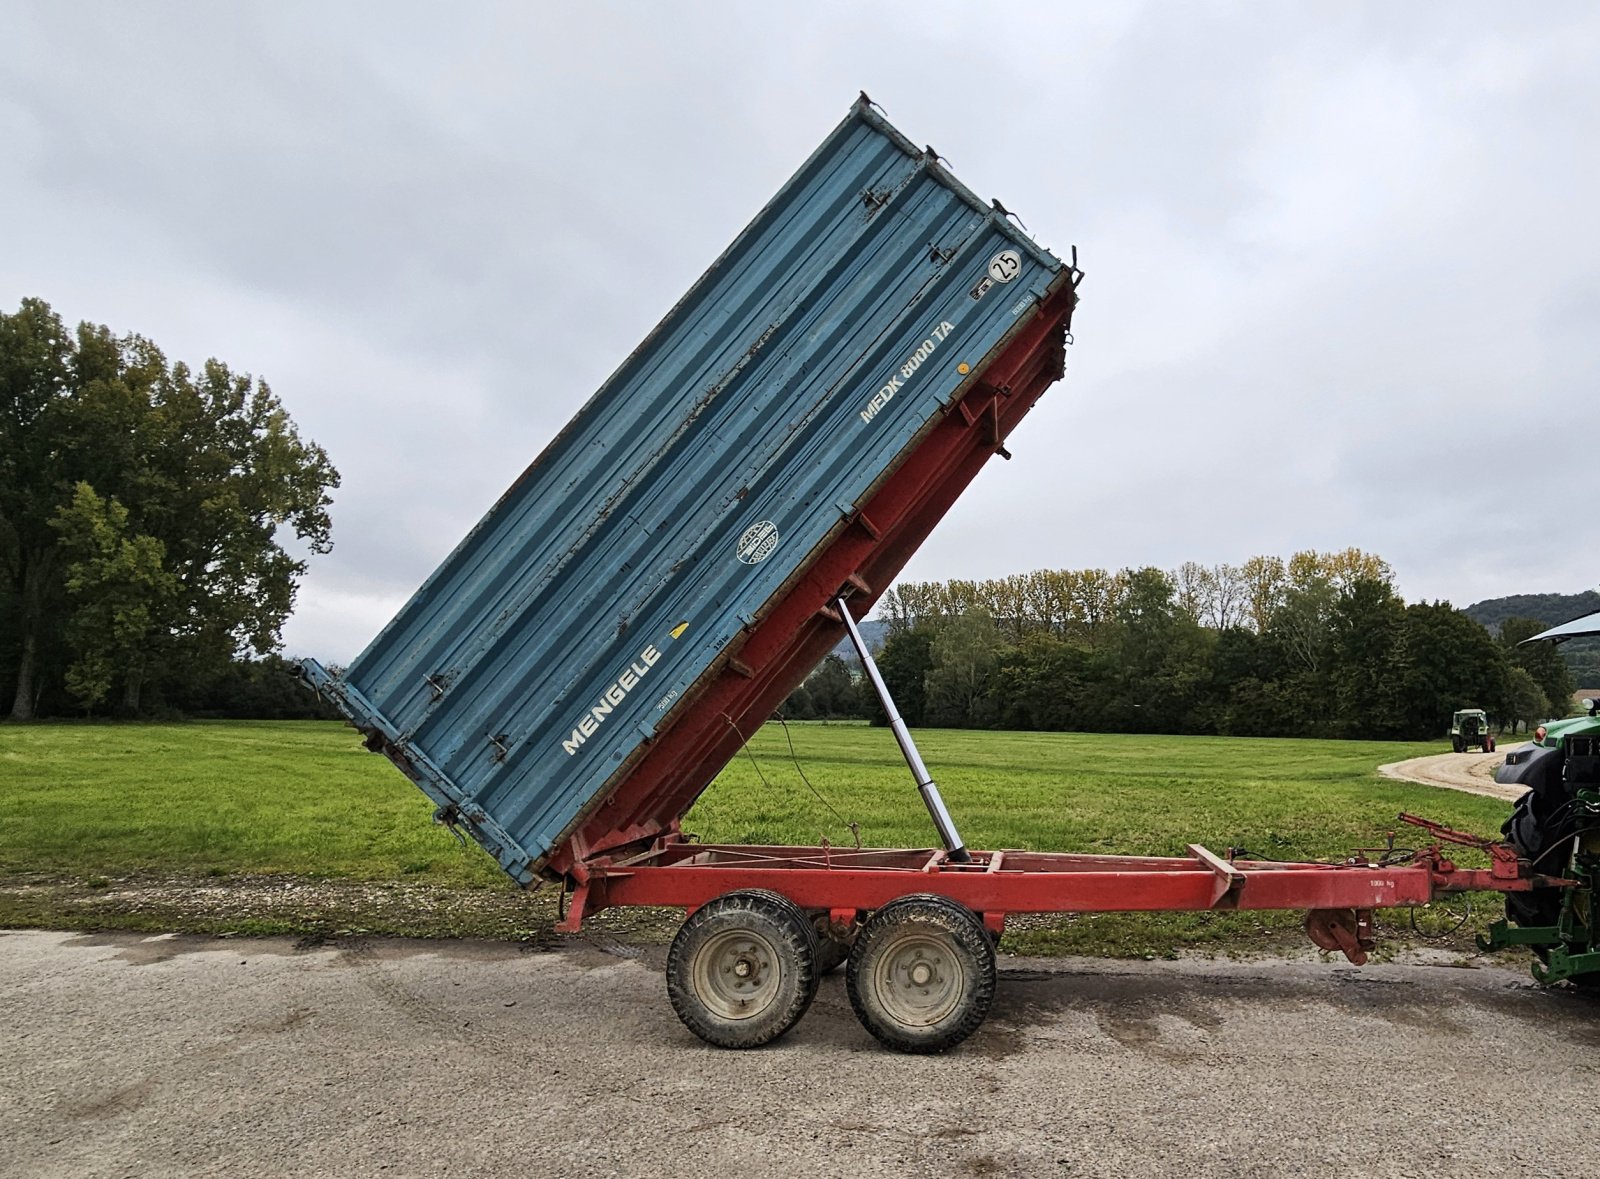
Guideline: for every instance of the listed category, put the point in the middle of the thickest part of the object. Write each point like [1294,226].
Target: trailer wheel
[921,974]
[742,970]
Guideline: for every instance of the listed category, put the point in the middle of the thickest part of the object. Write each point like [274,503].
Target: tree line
[1318,645]
[154,523]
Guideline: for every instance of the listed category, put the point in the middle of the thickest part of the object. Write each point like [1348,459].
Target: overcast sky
[1343,270]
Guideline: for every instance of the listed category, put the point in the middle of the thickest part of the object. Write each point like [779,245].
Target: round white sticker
[757,542]
[1005,266]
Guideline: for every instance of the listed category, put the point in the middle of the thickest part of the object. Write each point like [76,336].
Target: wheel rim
[918,980]
[736,974]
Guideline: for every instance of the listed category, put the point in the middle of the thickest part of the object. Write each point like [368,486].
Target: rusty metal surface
[633,566]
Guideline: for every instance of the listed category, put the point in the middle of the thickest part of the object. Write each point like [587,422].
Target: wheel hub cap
[918,980]
[736,974]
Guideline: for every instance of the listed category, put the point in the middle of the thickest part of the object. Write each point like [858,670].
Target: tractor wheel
[742,970]
[1456,744]
[1534,832]
[921,974]
[1532,835]
[1537,838]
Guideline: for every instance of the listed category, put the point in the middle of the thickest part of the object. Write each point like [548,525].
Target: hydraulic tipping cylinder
[942,821]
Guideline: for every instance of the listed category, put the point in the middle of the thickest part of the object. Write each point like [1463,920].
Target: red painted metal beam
[996,883]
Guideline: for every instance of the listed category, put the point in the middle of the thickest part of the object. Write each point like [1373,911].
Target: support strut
[942,821]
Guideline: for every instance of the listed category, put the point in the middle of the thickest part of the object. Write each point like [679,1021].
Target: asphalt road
[122,1055]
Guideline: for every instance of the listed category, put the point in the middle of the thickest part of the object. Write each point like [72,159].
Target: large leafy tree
[963,657]
[147,511]
[1540,660]
[833,690]
[118,589]
[1450,663]
[1040,684]
[1526,702]
[1366,656]
[904,663]
[1156,659]
[36,370]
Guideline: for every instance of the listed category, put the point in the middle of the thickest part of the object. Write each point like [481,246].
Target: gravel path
[1469,772]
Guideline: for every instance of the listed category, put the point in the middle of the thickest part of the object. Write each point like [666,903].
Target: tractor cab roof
[1578,628]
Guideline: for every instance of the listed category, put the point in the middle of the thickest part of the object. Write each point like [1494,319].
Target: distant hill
[1550,609]
[874,630]
[1582,655]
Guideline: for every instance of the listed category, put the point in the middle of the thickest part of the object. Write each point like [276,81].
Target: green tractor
[1469,729]
[1555,826]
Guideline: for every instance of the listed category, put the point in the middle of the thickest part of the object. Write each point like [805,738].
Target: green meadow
[89,812]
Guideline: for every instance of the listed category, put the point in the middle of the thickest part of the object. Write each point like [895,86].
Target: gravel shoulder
[1472,773]
[256,905]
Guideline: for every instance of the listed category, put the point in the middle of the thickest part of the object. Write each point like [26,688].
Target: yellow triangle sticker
[677,631]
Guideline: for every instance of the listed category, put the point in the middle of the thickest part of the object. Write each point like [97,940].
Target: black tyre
[1532,831]
[1456,744]
[1540,828]
[742,970]
[921,974]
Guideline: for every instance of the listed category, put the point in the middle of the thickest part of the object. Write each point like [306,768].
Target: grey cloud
[1342,282]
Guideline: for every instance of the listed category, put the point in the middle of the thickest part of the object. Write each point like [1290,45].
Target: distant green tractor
[1469,729]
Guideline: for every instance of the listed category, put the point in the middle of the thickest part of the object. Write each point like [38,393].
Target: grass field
[84,806]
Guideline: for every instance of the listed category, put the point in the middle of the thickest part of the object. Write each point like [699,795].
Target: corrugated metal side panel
[703,477]
[862,558]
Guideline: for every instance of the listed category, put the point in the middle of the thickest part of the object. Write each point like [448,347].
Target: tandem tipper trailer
[711,523]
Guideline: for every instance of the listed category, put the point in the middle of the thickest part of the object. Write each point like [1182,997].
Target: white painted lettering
[906,371]
[614,695]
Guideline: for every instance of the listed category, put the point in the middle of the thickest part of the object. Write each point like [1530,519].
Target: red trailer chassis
[847,883]
[919,927]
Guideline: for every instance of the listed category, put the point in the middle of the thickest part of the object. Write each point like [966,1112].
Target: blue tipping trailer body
[582,616]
